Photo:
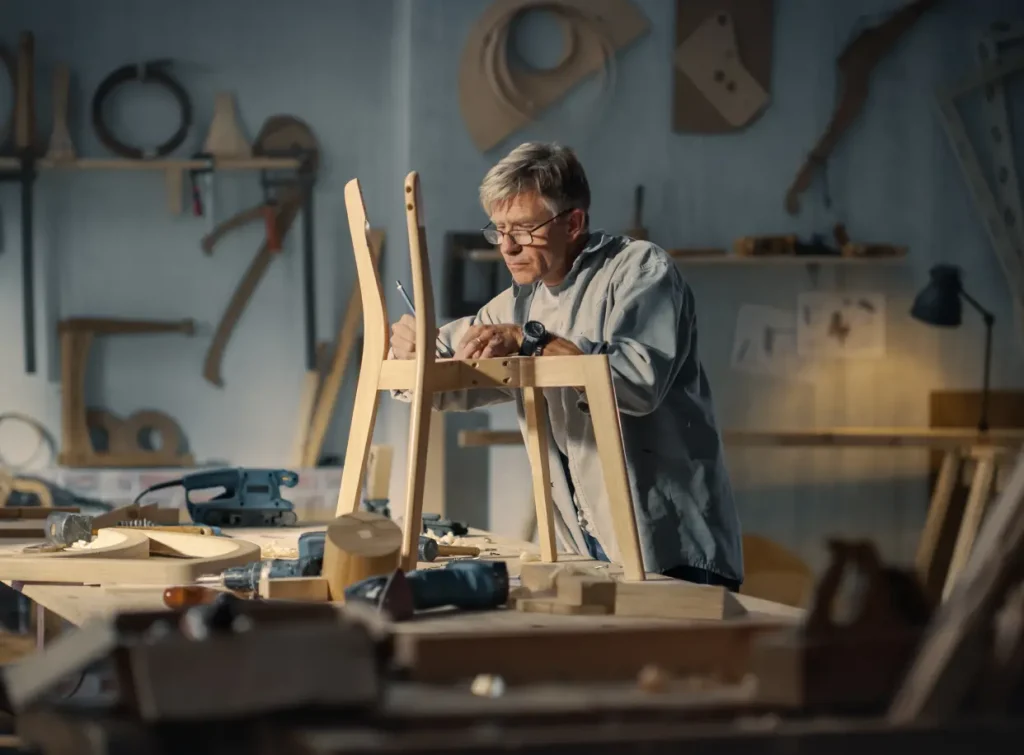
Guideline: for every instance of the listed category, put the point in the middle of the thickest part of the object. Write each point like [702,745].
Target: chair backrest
[376,339]
[375,313]
[419,262]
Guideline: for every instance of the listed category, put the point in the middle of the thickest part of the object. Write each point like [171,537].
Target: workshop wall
[892,179]
[377,83]
[107,245]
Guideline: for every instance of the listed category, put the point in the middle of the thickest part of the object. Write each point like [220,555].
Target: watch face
[534,329]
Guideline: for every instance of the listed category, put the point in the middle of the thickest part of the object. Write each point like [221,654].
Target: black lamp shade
[939,303]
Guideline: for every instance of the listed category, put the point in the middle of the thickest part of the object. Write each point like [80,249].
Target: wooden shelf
[723,258]
[105,163]
[847,437]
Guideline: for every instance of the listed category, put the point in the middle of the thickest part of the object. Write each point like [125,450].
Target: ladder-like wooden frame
[426,375]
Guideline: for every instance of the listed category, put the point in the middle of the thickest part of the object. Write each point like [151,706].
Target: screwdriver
[186,596]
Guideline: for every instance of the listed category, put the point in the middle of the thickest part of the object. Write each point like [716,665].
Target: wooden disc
[357,546]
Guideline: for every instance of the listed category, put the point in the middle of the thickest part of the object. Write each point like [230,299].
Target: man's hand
[483,341]
[403,337]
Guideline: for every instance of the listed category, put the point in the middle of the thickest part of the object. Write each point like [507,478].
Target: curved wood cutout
[488,119]
[193,555]
[753,22]
[124,543]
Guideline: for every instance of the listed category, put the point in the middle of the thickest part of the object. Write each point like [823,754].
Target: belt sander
[249,497]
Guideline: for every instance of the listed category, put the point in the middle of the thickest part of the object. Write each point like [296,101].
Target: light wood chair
[426,375]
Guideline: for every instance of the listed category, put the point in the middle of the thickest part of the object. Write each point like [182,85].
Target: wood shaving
[488,685]
[526,556]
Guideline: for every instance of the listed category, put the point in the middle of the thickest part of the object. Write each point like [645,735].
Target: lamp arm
[987,316]
[989,319]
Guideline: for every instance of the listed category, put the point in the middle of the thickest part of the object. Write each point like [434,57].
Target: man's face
[546,257]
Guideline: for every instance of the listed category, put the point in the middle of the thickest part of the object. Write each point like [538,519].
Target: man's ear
[577,223]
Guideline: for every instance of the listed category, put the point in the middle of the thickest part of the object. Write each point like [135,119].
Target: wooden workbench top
[79,603]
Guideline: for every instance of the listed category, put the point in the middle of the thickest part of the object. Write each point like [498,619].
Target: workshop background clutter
[378,84]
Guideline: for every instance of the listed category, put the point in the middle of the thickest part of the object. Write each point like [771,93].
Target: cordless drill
[247,578]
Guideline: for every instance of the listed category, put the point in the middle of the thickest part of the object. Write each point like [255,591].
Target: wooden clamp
[122,447]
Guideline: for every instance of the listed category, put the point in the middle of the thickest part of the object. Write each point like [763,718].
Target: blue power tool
[250,497]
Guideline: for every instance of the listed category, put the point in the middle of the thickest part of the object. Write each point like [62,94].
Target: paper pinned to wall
[841,325]
[765,343]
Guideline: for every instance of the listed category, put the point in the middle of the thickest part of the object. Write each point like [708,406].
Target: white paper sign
[765,343]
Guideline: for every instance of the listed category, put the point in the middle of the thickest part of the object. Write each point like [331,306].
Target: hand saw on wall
[280,135]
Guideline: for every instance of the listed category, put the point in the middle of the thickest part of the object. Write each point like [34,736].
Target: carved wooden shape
[425,376]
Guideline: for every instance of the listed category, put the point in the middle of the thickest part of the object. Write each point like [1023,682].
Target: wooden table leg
[974,512]
[937,522]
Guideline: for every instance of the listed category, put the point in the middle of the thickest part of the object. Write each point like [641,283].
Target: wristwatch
[535,336]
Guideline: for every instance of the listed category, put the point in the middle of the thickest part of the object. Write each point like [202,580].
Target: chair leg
[360,434]
[608,433]
[537,449]
[419,437]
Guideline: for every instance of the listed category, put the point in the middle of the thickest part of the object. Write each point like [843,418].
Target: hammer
[64,528]
[430,549]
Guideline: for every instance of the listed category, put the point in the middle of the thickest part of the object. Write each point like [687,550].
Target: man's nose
[508,246]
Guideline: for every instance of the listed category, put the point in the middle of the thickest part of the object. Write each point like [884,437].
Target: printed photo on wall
[840,325]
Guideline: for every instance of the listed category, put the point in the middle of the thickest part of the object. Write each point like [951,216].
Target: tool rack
[24,169]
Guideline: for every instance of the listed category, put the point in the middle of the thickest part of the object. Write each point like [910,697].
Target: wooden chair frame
[426,375]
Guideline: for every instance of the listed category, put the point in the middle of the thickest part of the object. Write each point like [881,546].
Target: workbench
[429,640]
[79,603]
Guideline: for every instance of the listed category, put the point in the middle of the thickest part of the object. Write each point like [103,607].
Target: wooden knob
[357,546]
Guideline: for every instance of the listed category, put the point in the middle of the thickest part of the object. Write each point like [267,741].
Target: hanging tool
[27,151]
[281,136]
[251,497]
[247,578]
[470,585]
[856,63]
[638,231]
[151,72]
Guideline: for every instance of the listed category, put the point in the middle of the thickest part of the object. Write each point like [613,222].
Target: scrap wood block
[314,589]
[675,599]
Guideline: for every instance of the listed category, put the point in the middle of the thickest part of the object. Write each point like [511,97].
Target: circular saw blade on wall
[722,64]
[497,100]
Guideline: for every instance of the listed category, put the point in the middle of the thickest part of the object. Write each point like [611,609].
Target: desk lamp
[939,304]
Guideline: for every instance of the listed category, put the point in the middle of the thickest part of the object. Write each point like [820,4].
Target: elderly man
[578,291]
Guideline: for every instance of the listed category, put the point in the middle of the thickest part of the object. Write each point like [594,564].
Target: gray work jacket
[627,299]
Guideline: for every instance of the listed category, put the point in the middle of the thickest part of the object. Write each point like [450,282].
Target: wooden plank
[593,650]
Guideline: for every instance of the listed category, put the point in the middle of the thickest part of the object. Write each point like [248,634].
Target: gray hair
[551,170]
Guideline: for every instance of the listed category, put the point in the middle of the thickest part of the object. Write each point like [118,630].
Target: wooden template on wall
[707,70]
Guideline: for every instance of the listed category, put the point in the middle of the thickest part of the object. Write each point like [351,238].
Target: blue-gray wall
[376,80]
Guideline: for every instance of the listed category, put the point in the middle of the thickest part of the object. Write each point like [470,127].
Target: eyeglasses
[520,237]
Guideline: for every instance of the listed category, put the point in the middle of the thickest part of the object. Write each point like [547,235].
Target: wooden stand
[426,375]
[123,449]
